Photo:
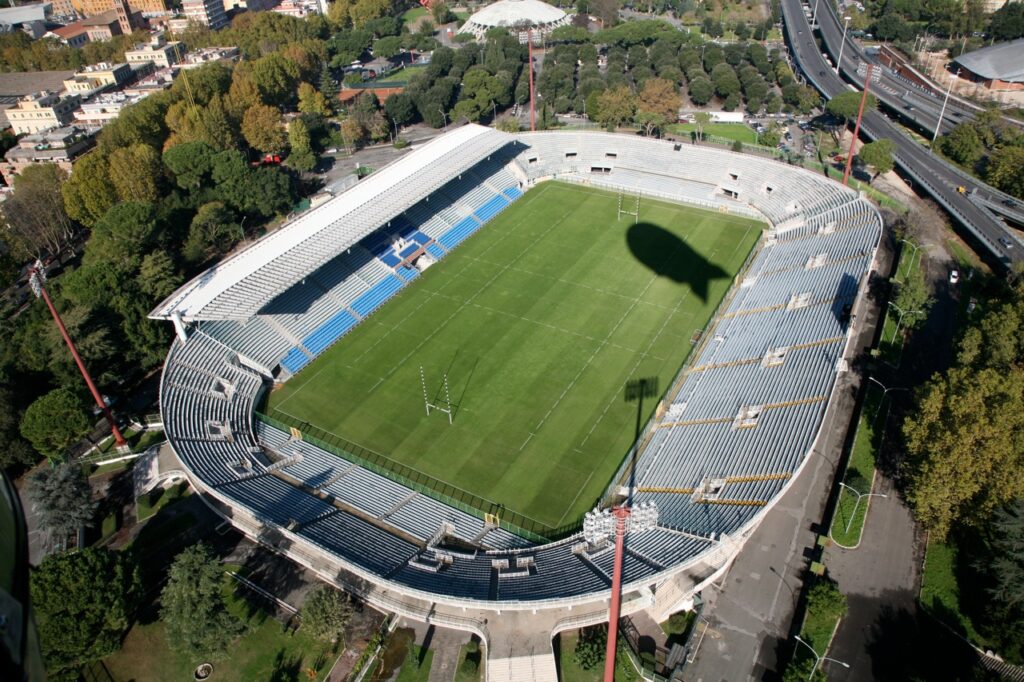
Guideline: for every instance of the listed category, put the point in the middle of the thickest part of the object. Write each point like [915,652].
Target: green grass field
[539,320]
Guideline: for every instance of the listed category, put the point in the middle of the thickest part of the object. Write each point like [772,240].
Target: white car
[954,276]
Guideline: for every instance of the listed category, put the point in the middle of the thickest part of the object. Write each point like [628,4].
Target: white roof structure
[1004,62]
[240,285]
[516,16]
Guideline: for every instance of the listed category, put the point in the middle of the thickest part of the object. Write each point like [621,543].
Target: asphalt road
[931,174]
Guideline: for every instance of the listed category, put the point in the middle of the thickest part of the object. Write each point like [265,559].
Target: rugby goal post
[446,406]
[625,211]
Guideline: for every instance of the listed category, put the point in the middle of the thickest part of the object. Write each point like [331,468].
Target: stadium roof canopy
[516,15]
[239,286]
[1004,62]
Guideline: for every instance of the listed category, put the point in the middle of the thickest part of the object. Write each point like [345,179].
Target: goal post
[624,208]
[441,404]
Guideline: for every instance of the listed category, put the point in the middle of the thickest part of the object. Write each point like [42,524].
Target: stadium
[419,388]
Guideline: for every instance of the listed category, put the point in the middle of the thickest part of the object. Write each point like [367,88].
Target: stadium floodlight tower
[36,280]
[598,525]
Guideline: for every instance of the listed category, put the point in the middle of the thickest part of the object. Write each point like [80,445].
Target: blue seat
[408,273]
[390,259]
[491,208]
[295,360]
[458,233]
[435,251]
[329,332]
[372,299]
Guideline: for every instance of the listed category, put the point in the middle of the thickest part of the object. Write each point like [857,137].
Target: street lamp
[899,321]
[885,392]
[445,117]
[818,659]
[856,504]
[846,25]
[814,14]
[914,246]
[942,112]
[494,111]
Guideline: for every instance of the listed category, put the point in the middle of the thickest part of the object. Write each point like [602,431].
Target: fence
[448,494]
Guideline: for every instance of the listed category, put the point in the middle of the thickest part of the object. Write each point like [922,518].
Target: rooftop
[1004,61]
[20,83]
[511,13]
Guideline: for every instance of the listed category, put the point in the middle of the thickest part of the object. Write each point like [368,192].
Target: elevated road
[939,179]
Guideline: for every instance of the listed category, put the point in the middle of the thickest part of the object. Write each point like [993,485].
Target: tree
[261,128]
[724,78]
[846,104]
[311,101]
[913,297]
[124,235]
[1007,546]
[352,133]
[15,451]
[364,11]
[135,172]
[658,104]
[83,603]
[400,108]
[157,275]
[701,119]
[275,77]
[962,441]
[190,162]
[326,613]
[700,90]
[53,422]
[212,231]
[507,124]
[197,620]
[615,106]
[1007,22]
[62,499]
[878,155]
[36,220]
[1006,170]
[89,193]
[963,144]
[301,156]
[590,647]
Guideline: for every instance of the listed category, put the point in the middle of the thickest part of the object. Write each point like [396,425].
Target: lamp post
[846,26]
[899,320]
[912,245]
[494,111]
[818,659]
[856,504]
[814,14]
[885,392]
[444,116]
[942,112]
[241,228]
[37,280]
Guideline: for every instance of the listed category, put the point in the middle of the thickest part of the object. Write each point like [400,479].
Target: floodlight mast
[37,277]
[621,514]
[533,116]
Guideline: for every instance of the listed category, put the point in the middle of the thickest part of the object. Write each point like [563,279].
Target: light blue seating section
[458,234]
[436,251]
[331,331]
[295,360]
[375,297]
[491,208]
[408,273]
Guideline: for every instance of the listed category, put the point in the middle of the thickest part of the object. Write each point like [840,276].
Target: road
[931,174]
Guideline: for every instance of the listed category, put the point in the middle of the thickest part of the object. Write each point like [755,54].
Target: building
[28,18]
[104,108]
[41,111]
[205,55]
[15,85]
[72,35]
[249,5]
[157,51]
[160,80]
[996,68]
[298,8]
[64,9]
[59,145]
[518,16]
[99,77]
[102,26]
[209,13]
[91,8]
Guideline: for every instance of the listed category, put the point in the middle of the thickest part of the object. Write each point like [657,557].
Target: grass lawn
[158,533]
[940,594]
[467,672]
[413,670]
[265,652]
[413,14]
[732,131]
[570,671]
[150,504]
[860,469]
[890,346]
[824,609]
[538,321]
[402,75]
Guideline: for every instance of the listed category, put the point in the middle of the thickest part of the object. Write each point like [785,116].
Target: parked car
[954,276]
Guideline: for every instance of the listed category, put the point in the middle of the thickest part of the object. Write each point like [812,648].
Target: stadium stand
[739,423]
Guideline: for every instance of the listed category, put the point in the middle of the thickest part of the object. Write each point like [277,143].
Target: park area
[530,331]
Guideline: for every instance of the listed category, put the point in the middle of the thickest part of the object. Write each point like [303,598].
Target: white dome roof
[508,13]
